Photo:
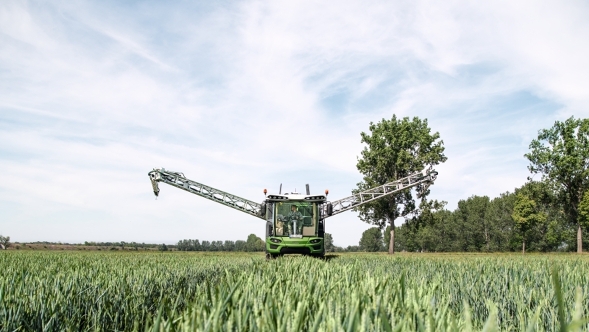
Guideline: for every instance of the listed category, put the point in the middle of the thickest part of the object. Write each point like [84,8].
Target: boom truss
[425,178]
[178,180]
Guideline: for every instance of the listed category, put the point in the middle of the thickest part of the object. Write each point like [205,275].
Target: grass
[141,291]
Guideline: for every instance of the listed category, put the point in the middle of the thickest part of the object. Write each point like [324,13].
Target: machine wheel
[270,256]
[321,254]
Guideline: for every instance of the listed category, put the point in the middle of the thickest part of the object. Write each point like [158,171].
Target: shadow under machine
[295,222]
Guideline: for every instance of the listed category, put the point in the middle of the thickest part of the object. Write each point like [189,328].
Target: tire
[321,254]
[270,256]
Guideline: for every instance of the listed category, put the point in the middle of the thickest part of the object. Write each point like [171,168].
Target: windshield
[295,219]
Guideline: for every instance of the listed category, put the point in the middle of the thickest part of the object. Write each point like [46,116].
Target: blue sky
[246,95]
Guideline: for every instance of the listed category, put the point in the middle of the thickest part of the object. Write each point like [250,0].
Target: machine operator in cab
[295,221]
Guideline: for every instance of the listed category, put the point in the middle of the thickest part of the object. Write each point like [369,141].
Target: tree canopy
[526,216]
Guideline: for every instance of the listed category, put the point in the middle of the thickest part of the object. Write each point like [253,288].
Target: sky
[246,95]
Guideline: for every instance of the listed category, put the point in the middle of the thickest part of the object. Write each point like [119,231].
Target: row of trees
[545,215]
[527,219]
[122,244]
[253,243]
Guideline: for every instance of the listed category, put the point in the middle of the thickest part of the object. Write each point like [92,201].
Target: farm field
[139,291]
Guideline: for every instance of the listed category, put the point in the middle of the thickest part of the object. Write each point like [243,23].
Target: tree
[328,243]
[394,149]
[561,155]
[352,249]
[162,247]
[473,215]
[254,243]
[371,240]
[426,225]
[550,232]
[526,216]
[4,242]
[240,245]
[502,224]
[217,246]
[229,245]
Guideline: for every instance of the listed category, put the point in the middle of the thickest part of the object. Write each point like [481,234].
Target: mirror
[329,209]
[269,229]
[263,209]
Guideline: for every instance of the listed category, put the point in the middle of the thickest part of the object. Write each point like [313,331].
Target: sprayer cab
[294,224]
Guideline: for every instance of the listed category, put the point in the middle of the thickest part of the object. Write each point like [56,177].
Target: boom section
[425,178]
[178,180]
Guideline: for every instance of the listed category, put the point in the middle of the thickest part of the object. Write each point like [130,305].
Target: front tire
[270,256]
[321,254]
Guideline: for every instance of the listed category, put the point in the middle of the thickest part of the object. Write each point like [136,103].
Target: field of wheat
[94,291]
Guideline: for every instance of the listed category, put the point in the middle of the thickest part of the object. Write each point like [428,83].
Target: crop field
[106,291]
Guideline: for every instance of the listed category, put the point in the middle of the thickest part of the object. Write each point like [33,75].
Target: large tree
[561,155]
[394,149]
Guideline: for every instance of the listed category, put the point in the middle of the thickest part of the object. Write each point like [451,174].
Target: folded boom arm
[178,180]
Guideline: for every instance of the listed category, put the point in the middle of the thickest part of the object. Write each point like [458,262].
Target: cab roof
[295,197]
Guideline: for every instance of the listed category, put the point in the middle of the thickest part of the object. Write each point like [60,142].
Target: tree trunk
[523,247]
[487,238]
[392,240]
[579,240]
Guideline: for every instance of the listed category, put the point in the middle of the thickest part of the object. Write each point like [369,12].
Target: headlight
[274,240]
[315,241]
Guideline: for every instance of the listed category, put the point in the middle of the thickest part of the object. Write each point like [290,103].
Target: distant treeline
[253,243]
[124,244]
[481,224]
